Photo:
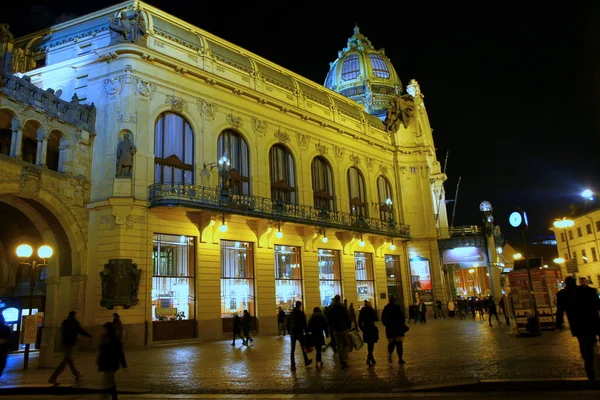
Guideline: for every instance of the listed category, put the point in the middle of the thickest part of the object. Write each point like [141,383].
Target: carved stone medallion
[321,148]
[302,140]
[339,151]
[259,125]
[176,103]
[283,137]
[234,121]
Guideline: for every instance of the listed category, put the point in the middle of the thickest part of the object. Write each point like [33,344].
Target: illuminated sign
[11,314]
[461,255]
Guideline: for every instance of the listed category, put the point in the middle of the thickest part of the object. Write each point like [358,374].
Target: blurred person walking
[366,323]
[296,326]
[339,320]
[318,330]
[393,319]
[110,359]
[69,329]
[246,322]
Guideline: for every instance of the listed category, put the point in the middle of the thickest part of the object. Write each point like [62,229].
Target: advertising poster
[520,297]
[422,287]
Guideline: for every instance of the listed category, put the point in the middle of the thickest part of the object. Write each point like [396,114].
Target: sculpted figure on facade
[401,110]
[125,152]
[128,27]
[6,43]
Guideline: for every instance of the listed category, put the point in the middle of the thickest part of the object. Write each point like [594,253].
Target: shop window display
[330,275]
[173,281]
[237,278]
[392,271]
[365,281]
[288,276]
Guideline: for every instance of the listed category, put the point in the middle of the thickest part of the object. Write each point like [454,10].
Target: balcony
[215,199]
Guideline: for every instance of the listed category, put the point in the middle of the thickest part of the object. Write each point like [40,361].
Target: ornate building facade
[217,180]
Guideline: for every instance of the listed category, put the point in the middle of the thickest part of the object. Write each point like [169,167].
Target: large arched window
[173,150]
[357,192]
[283,174]
[236,148]
[322,181]
[384,189]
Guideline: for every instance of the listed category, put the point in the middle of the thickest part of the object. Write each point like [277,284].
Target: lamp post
[24,252]
[488,219]
[563,224]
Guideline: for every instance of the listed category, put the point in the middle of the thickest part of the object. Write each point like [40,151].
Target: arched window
[32,134]
[235,146]
[283,174]
[56,152]
[322,181]
[173,150]
[350,67]
[357,192]
[384,189]
[380,68]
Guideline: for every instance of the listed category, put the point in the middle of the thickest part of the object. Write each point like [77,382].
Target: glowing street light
[559,260]
[564,223]
[517,256]
[587,194]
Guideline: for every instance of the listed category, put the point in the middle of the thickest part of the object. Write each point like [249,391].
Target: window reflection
[330,275]
[237,278]
[365,281]
[288,276]
[392,271]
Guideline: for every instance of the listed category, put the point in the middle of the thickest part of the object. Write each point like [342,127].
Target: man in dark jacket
[296,327]
[110,359]
[394,320]
[582,306]
[492,310]
[339,320]
[69,329]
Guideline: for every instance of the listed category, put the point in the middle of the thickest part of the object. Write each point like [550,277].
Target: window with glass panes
[288,276]
[365,279]
[594,254]
[330,275]
[384,190]
[588,229]
[173,150]
[283,174]
[237,278]
[584,256]
[392,271]
[579,234]
[357,192]
[233,145]
[322,183]
[173,277]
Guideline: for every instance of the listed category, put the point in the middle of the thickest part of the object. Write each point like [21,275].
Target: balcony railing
[216,199]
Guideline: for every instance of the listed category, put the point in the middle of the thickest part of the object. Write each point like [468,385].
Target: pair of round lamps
[25,251]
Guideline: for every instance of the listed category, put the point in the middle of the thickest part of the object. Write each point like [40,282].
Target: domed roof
[364,75]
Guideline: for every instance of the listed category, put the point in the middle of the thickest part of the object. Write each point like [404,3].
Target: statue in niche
[125,152]
[120,282]
[129,27]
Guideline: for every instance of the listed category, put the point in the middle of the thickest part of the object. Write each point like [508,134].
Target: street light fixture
[565,223]
[517,256]
[587,194]
[24,252]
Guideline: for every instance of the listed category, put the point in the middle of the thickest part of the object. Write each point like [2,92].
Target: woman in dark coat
[237,328]
[111,357]
[318,329]
[393,318]
[246,319]
[366,323]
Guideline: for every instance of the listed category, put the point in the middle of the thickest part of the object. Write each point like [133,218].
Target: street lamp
[24,252]
[587,194]
[564,224]
[517,256]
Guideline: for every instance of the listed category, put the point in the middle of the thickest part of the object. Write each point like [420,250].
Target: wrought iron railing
[223,201]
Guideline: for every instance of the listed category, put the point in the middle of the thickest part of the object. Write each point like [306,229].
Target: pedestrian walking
[4,343]
[281,321]
[366,323]
[422,312]
[582,306]
[297,328]
[110,359]
[69,329]
[352,314]
[503,309]
[246,322]
[118,325]
[318,330]
[339,320]
[492,310]
[393,319]
[440,312]
[237,328]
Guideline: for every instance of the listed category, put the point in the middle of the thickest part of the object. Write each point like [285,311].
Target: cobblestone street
[440,351]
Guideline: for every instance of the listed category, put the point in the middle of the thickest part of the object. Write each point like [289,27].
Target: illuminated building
[251,186]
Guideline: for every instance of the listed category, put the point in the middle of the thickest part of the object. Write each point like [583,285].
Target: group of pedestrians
[478,307]
[242,325]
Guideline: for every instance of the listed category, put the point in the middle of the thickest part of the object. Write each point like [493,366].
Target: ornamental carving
[205,108]
[283,137]
[31,181]
[112,85]
[355,159]
[338,151]
[144,88]
[235,122]
[369,161]
[129,118]
[120,283]
[302,140]
[400,111]
[383,169]
[321,148]
[259,125]
[176,103]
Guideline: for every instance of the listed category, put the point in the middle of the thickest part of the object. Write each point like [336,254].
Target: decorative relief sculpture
[31,181]
[144,88]
[355,159]
[401,110]
[127,117]
[125,152]
[338,151]
[235,122]
[321,148]
[176,103]
[283,137]
[259,125]
[369,162]
[206,108]
[383,169]
[302,140]
[128,27]
[120,282]
[112,85]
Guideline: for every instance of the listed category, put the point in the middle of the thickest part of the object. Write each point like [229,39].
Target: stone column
[52,321]
[78,294]
[17,137]
[62,156]
[42,147]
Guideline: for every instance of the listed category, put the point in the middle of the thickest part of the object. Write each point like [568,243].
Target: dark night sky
[511,88]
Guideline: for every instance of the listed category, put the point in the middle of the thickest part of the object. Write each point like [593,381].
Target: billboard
[471,255]
[420,279]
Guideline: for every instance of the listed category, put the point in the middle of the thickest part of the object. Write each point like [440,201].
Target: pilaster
[51,324]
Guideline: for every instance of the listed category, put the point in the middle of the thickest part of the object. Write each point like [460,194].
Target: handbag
[405,328]
[357,342]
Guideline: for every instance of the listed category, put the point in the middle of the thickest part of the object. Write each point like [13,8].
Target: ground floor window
[288,276]
[365,280]
[237,278]
[394,282]
[173,278]
[330,275]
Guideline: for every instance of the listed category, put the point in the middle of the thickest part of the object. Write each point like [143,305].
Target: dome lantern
[364,75]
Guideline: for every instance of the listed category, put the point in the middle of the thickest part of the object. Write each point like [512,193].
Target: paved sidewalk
[438,352]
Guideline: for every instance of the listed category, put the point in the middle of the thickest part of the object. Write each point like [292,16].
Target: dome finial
[356,29]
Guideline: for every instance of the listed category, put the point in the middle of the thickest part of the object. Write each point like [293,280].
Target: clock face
[515,219]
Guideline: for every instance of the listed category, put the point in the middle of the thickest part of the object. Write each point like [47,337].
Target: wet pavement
[438,352]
